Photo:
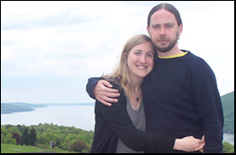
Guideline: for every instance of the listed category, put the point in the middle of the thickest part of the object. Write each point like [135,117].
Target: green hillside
[7,108]
[12,148]
[228,108]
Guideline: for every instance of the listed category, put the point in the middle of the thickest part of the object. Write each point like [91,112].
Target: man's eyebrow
[164,24]
[153,25]
[170,24]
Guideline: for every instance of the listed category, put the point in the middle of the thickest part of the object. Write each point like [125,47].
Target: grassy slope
[11,148]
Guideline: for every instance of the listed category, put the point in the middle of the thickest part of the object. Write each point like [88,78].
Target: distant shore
[9,108]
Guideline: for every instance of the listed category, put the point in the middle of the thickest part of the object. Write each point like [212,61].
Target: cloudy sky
[50,49]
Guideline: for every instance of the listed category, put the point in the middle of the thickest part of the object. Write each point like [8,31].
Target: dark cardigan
[114,122]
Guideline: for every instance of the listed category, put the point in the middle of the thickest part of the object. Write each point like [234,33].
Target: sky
[49,49]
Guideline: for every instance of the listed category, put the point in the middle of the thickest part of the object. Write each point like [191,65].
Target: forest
[42,136]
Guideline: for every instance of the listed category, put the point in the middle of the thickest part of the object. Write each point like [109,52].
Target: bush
[9,139]
[43,146]
[79,146]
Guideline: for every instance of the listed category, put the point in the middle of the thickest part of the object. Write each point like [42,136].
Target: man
[180,95]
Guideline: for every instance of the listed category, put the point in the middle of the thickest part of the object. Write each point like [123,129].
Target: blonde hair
[120,73]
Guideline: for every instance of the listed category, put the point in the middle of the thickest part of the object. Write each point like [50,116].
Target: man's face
[164,30]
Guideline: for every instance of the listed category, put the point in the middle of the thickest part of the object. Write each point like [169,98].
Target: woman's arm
[120,122]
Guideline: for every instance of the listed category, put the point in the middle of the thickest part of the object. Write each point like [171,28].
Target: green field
[11,148]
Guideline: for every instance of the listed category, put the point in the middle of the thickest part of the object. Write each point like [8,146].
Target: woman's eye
[149,54]
[137,53]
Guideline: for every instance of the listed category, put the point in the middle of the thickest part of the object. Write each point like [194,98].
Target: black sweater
[181,98]
[114,122]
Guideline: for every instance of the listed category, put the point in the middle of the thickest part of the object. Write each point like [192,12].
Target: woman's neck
[135,94]
[136,85]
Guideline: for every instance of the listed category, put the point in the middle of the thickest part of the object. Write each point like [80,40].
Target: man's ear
[180,29]
[148,30]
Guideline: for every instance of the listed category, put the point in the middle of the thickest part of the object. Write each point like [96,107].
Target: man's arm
[209,106]
[101,90]
[92,82]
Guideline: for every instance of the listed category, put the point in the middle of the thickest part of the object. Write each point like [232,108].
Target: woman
[120,127]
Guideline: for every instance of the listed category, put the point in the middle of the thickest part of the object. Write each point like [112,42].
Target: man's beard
[169,47]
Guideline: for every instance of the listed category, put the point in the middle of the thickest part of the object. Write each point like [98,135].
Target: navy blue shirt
[181,98]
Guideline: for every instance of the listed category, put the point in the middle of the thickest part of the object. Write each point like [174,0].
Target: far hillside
[228,108]
[7,108]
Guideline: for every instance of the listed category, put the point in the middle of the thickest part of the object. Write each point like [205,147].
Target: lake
[79,116]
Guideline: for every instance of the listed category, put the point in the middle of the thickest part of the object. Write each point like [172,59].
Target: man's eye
[156,26]
[169,26]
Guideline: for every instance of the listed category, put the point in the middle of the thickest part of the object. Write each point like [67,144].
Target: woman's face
[140,60]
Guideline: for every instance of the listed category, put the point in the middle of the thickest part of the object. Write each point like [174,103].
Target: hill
[7,108]
[228,109]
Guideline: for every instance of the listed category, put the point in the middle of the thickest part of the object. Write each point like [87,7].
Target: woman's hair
[120,74]
[167,7]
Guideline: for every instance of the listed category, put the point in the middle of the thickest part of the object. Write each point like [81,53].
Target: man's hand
[189,144]
[104,93]
[200,148]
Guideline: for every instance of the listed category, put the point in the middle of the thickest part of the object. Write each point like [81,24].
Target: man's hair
[167,7]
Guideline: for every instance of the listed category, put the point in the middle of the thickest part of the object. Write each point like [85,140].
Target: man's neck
[172,52]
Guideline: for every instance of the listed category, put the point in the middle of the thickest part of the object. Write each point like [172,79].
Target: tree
[17,137]
[32,137]
[9,139]
[42,139]
[2,138]
[25,136]
[20,128]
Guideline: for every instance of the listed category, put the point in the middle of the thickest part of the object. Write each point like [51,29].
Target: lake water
[79,116]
